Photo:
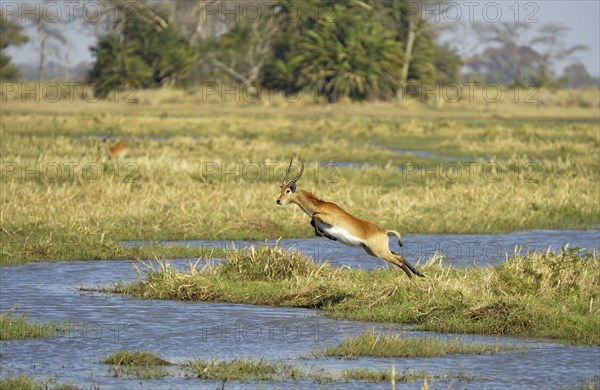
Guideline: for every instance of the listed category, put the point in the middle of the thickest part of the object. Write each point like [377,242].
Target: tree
[49,35]
[10,34]
[576,75]
[341,53]
[552,48]
[117,66]
[243,51]
[145,50]
[447,65]
[197,18]
[405,19]
[497,65]
[510,58]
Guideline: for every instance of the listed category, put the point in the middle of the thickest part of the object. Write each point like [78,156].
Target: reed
[548,295]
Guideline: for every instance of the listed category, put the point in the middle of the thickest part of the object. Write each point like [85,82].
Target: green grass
[54,246]
[242,370]
[547,295]
[138,364]
[404,376]
[392,345]
[214,174]
[145,365]
[137,358]
[366,375]
[19,327]
[25,382]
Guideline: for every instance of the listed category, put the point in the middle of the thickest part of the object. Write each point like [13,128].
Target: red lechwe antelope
[117,150]
[331,221]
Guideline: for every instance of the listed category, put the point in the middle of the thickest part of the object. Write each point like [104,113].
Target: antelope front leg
[319,232]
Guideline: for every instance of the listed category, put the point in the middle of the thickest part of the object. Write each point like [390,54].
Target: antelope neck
[307,202]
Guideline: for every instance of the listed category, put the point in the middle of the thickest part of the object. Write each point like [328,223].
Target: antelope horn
[294,180]
[109,135]
[287,173]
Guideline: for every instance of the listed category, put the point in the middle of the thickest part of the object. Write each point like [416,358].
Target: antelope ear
[293,187]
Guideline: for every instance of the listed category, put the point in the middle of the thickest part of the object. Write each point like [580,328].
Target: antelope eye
[288,191]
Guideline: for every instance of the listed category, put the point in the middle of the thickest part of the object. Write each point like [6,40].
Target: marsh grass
[20,327]
[145,365]
[541,294]
[139,364]
[242,370]
[26,382]
[366,375]
[394,345]
[137,358]
[404,376]
[30,244]
[545,176]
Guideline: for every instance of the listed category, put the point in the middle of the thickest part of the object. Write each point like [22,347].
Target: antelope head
[105,139]
[288,189]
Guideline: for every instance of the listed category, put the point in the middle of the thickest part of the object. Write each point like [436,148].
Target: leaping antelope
[331,221]
[117,150]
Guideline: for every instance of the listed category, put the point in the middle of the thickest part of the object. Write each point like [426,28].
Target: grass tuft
[404,376]
[19,327]
[547,295]
[266,263]
[393,345]
[242,370]
[26,382]
[138,364]
[137,358]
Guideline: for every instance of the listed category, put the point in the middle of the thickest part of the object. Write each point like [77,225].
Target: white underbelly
[341,234]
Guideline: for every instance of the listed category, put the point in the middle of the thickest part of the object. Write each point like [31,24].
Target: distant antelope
[117,150]
[333,222]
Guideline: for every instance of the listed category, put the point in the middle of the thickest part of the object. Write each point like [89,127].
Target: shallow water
[434,156]
[178,331]
[424,154]
[459,250]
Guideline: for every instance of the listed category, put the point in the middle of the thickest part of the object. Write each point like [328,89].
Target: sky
[581,16]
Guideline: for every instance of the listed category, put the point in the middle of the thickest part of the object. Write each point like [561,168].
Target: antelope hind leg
[406,265]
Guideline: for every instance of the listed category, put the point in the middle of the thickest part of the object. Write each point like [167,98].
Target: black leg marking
[330,236]
[318,231]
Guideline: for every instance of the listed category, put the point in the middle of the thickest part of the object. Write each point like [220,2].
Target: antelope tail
[392,233]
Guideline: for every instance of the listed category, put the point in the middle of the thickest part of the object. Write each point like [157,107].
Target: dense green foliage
[10,34]
[335,49]
[147,51]
[345,52]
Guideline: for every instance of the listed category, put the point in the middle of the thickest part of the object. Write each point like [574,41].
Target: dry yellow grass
[553,295]
[211,170]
